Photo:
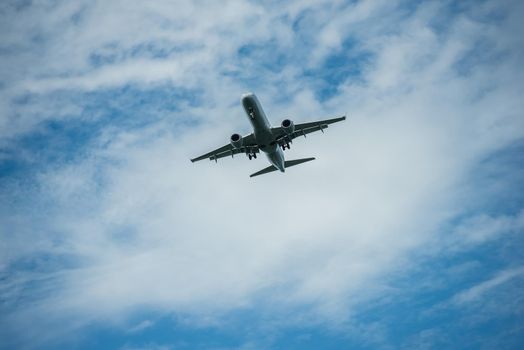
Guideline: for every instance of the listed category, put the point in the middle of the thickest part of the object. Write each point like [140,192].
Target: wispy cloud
[103,103]
[478,291]
[141,326]
[483,227]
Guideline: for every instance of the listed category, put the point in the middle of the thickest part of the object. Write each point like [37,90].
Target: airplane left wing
[303,128]
[248,146]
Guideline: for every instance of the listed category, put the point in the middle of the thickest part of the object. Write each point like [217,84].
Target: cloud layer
[103,216]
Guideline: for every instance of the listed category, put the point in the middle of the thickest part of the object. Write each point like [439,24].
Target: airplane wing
[248,146]
[303,128]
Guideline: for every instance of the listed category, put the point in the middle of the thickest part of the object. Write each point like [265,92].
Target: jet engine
[288,126]
[236,141]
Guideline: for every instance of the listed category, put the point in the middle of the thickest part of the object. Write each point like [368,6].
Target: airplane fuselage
[262,131]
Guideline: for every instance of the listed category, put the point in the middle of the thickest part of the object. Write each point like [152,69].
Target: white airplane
[271,141]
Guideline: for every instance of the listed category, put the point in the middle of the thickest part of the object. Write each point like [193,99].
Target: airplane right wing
[248,146]
[303,129]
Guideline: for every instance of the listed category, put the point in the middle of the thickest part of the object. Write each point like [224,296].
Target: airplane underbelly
[277,159]
[265,142]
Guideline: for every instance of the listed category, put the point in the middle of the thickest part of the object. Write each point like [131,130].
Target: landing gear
[252,155]
[286,145]
[251,112]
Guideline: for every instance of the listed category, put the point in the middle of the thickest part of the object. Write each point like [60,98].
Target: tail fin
[287,164]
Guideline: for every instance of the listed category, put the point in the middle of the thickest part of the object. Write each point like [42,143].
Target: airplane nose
[246,96]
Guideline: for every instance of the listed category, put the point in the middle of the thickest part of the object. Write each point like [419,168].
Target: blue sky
[405,232]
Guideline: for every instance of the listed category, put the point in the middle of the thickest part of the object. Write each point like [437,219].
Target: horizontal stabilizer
[264,171]
[288,163]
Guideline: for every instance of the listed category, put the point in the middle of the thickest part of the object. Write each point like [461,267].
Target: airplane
[270,140]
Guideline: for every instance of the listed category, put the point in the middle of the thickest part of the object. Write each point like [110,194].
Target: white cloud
[483,227]
[141,326]
[478,291]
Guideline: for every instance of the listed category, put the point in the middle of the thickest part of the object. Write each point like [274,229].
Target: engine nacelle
[288,126]
[236,140]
